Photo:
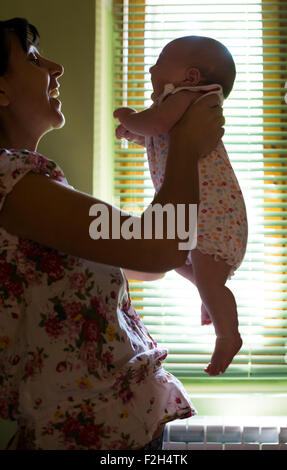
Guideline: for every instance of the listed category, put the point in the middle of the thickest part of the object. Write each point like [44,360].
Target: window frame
[227,383]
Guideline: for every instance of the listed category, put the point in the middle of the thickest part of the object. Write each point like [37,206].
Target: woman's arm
[158,119]
[140,276]
[45,211]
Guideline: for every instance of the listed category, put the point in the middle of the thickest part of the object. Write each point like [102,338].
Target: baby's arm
[123,133]
[156,120]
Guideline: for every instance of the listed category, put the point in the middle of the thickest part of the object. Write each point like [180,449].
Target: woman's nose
[56,70]
[151,69]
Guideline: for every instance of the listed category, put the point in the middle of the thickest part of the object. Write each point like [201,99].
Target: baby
[186,70]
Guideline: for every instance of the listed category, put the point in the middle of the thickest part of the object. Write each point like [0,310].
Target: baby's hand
[123,133]
[121,113]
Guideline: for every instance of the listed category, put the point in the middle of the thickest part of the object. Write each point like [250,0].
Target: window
[255,138]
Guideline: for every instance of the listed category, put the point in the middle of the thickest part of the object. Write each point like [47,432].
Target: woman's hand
[195,135]
[200,128]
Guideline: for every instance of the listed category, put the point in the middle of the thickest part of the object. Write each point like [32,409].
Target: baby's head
[193,61]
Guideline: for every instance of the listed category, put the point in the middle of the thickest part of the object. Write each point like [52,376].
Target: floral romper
[222,220]
[78,369]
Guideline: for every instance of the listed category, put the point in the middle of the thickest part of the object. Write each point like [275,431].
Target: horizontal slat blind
[256,128]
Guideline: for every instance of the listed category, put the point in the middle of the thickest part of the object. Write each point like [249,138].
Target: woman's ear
[4,98]
[192,76]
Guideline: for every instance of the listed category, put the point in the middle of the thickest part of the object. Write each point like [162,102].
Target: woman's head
[28,87]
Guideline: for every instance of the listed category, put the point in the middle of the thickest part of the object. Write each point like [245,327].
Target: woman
[78,369]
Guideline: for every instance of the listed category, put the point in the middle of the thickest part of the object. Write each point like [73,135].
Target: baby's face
[170,67]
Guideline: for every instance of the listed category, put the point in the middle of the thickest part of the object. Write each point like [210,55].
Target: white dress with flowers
[78,369]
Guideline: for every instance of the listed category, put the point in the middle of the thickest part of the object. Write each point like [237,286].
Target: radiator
[227,433]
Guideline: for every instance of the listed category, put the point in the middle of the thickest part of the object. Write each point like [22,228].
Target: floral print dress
[78,369]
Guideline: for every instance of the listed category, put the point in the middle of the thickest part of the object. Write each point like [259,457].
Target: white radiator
[227,433]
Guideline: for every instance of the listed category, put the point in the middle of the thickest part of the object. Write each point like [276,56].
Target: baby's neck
[195,94]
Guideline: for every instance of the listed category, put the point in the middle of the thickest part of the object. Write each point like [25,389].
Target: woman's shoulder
[14,161]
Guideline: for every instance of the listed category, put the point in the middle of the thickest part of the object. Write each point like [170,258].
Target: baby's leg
[187,272]
[210,277]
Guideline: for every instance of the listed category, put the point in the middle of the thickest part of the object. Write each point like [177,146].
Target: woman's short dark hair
[23,30]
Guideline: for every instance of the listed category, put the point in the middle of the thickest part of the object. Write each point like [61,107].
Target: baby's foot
[224,352]
[205,318]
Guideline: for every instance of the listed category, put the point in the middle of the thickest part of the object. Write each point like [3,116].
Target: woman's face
[31,88]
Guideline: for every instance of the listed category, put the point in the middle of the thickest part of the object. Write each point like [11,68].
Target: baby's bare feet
[224,352]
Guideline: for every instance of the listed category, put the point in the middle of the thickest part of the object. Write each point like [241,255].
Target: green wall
[67,30]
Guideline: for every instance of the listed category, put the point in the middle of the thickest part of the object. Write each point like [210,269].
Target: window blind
[255,137]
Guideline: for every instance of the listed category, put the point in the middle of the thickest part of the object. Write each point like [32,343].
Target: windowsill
[222,385]
[244,397]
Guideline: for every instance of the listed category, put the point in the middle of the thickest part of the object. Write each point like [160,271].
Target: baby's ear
[192,76]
